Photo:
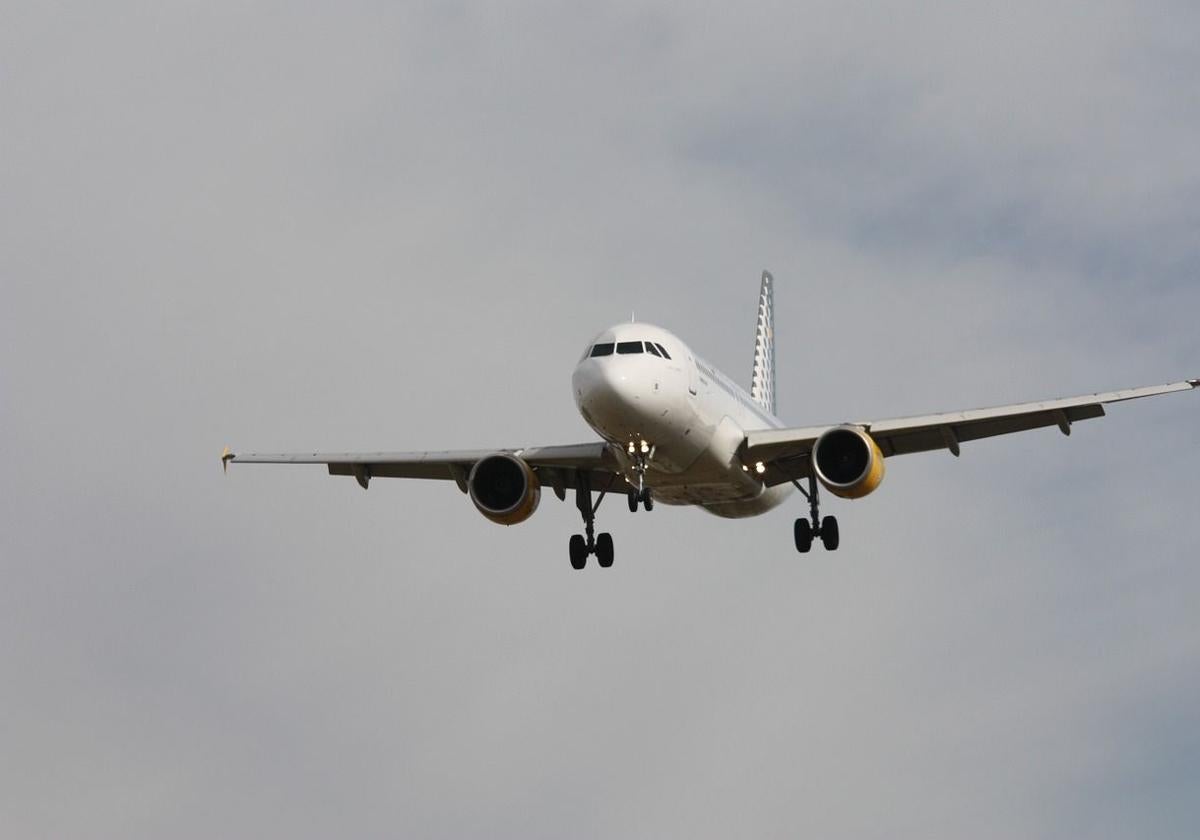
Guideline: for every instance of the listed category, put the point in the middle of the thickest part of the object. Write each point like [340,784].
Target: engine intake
[848,462]
[504,488]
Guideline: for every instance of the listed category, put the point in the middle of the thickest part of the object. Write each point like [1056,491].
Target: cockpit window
[627,348]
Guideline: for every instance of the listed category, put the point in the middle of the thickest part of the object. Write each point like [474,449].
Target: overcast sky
[395,226]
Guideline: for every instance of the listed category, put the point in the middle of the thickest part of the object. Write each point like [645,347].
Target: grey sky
[280,225]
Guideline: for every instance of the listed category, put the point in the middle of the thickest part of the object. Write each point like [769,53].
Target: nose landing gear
[806,529]
[641,454]
[642,497]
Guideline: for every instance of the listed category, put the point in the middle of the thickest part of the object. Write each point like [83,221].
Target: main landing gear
[589,542]
[805,529]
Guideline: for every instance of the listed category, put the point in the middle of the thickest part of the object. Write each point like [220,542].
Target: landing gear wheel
[804,536]
[604,550]
[579,551]
[641,497]
[829,533]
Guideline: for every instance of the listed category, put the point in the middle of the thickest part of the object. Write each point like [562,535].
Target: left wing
[558,467]
[785,452]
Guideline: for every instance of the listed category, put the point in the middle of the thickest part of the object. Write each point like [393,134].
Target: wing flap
[419,469]
[906,441]
[559,467]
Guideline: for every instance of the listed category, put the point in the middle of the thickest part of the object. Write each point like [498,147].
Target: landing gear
[641,455]
[641,497]
[805,529]
[589,543]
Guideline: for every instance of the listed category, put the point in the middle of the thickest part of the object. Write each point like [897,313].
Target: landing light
[760,468]
[631,448]
[645,447]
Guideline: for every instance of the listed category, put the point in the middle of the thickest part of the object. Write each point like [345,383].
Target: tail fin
[762,385]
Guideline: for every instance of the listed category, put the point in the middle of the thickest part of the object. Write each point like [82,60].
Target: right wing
[785,453]
[561,468]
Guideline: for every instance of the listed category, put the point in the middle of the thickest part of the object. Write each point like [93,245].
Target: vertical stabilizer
[762,385]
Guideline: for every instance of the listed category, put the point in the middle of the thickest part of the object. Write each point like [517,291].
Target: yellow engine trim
[524,508]
[520,513]
[870,480]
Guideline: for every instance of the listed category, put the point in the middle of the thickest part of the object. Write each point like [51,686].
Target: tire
[633,502]
[647,499]
[830,534]
[579,551]
[604,550]
[804,535]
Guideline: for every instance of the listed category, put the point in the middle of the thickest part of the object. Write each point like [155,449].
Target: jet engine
[848,462]
[504,488]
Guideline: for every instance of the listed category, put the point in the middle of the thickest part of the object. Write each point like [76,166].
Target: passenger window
[602,350]
[662,350]
[650,349]
[628,347]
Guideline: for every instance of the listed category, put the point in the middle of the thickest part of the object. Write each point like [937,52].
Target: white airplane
[676,430]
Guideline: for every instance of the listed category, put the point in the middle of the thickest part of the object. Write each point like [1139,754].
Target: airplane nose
[611,386]
[586,381]
[622,398]
[617,391]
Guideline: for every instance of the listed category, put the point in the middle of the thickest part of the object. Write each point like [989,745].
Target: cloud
[383,226]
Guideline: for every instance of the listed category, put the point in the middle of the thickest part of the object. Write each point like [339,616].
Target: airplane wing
[785,452]
[561,468]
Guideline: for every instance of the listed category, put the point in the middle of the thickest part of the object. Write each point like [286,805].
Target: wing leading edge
[785,452]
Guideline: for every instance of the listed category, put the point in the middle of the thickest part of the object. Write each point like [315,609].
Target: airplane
[675,430]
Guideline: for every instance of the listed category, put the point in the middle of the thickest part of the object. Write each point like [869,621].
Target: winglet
[226,456]
[1195,383]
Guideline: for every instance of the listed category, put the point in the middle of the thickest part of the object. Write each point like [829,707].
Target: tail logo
[762,384]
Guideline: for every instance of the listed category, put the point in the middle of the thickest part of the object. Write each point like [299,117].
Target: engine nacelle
[848,462]
[504,488]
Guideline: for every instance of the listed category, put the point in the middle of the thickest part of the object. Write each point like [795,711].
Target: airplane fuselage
[690,416]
